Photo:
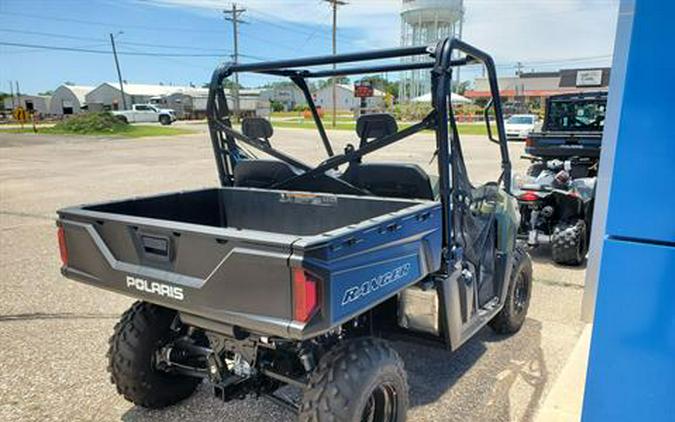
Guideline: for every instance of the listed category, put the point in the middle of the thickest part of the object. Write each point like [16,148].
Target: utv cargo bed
[234,254]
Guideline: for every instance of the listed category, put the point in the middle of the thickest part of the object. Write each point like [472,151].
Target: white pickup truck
[146,113]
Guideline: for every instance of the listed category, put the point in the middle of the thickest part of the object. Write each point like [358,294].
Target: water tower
[425,22]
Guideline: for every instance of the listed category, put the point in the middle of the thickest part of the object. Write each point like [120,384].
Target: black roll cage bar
[224,137]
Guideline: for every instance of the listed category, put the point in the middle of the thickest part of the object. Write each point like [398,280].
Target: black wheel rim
[520,294]
[381,405]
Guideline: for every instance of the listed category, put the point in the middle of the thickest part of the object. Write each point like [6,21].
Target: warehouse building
[346,101]
[286,95]
[68,99]
[535,87]
[30,103]
[108,95]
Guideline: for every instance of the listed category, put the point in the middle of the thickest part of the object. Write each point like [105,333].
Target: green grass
[464,128]
[131,131]
[103,124]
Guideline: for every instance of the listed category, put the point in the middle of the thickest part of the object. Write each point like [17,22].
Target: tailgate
[564,144]
[236,277]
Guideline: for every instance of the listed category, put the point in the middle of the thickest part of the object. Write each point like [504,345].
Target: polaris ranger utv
[293,275]
[557,195]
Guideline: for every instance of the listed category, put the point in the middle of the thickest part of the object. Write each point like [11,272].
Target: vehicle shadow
[542,255]
[487,373]
[488,376]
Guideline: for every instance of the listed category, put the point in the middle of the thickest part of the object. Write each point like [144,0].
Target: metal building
[68,99]
[426,22]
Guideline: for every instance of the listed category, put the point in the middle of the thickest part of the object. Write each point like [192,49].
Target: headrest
[257,127]
[377,125]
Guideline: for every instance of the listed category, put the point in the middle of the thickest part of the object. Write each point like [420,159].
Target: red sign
[363,90]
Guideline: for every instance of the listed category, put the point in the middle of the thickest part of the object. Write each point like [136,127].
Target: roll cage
[455,187]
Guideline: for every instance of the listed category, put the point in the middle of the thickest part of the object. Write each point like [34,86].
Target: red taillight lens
[62,246]
[305,294]
[528,196]
[529,142]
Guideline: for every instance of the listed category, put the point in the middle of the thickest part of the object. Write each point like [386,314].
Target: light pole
[117,65]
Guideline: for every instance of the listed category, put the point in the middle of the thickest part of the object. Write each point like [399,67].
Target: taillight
[62,246]
[528,196]
[305,294]
[529,142]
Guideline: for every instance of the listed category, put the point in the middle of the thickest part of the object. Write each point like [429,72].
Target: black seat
[390,179]
[386,179]
[257,127]
[262,173]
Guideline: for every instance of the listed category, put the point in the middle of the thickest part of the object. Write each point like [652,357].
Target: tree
[460,88]
[48,92]
[227,84]
[338,79]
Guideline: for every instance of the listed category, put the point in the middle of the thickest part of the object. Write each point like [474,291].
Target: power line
[109,24]
[292,27]
[143,44]
[87,50]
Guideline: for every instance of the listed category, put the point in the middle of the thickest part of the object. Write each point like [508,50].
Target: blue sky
[542,34]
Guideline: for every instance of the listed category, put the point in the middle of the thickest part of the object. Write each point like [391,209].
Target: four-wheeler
[293,275]
[556,207]
[146,113]
[557,195]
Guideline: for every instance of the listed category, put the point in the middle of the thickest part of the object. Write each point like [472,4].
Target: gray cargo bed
[230,251]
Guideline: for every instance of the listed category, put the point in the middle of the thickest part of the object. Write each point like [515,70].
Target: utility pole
[119,73]
[335,4]
[519,67]
[233,16]
[11,93]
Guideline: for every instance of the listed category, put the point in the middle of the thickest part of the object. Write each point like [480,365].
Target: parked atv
[556,205]
[292,274]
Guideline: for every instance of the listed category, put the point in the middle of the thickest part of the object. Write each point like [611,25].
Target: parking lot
[54,331]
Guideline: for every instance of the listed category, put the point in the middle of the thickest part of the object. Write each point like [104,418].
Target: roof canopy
[454,99]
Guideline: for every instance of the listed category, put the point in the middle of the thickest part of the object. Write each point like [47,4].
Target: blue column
[631,375]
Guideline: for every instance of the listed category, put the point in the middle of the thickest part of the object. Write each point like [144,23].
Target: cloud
[535,32]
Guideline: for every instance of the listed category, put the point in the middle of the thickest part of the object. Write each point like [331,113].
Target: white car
[146,113]
[519,126]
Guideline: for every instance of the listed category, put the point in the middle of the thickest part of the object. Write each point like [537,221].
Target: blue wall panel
[642,199]
[631,374]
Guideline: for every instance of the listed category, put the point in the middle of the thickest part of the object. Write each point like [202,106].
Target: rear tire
[361,379]
[165,120]
[568,243]
[141,331]
[512,316]
[123,119]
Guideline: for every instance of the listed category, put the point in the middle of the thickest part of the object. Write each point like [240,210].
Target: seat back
[390,179]
[257,127]
[262,173]
[377,125]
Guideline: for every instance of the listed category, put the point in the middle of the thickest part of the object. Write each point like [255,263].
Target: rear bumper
[563,151]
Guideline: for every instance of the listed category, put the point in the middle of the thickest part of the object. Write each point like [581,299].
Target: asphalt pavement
[53,331]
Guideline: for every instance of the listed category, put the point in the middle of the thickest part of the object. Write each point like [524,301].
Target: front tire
[568,243]
[165,120]
[512,316]
[361,379]
[141,331]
